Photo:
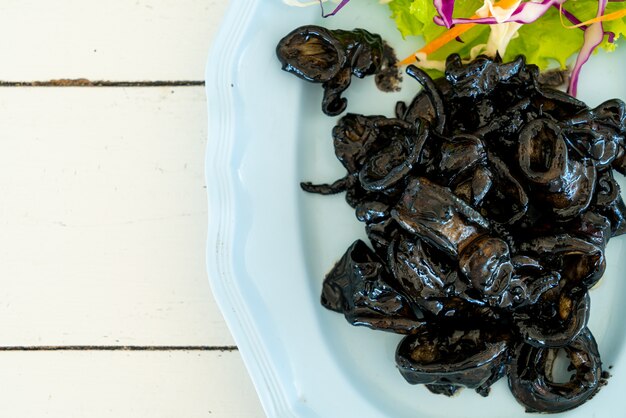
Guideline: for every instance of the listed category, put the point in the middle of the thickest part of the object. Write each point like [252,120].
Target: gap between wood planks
[83,82]
[118,348]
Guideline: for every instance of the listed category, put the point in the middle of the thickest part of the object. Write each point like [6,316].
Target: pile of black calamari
[488,202]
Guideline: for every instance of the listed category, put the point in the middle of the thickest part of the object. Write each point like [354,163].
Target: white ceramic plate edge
[220,79]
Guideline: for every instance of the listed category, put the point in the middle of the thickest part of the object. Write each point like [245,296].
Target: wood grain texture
[107,40]
[104,218]
[104,215]
[126,385]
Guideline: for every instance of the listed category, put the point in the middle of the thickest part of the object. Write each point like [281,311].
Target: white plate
[270,244]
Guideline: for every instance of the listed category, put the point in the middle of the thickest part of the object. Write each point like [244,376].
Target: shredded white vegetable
[426,64]
[502,33]
[500,36]
[499,13]
[299,3]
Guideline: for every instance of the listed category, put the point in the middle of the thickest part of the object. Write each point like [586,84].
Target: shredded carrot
[439,41]
[604,18]
[450,35]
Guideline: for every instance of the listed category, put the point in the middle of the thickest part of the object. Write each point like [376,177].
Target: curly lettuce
[545,42]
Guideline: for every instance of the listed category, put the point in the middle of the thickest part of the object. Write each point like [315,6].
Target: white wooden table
[105,307]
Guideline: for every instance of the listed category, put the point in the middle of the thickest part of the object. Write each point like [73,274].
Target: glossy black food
[332,57]
[488,202]
[534,386]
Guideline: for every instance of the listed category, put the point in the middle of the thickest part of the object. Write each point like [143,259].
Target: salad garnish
[508,28]
[506,22]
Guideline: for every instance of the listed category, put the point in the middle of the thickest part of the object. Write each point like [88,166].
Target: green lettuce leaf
[408,23]
[545,42]
[415,17]
[541,45]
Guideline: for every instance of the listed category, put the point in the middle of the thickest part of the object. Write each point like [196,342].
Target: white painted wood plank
[103,218]
[126,385]
[107,40]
